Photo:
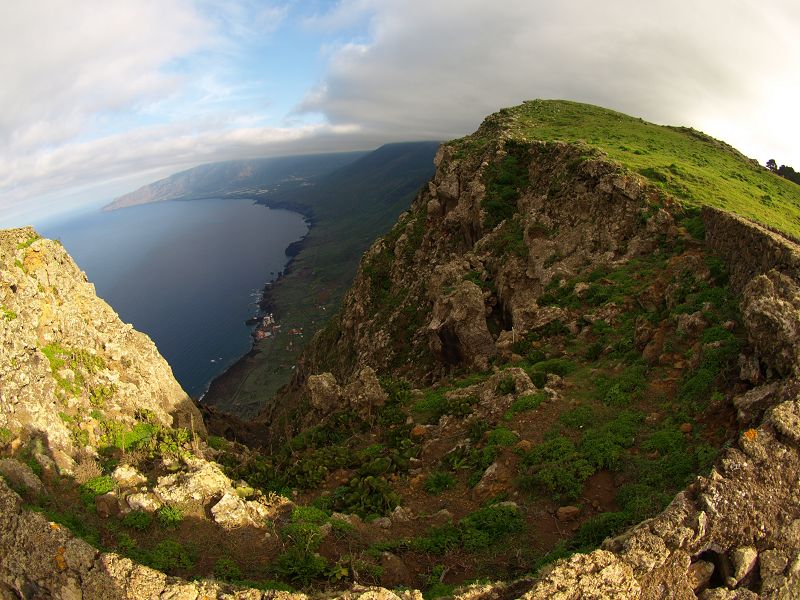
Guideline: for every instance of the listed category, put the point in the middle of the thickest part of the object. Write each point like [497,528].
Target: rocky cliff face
[473,268]
[67,362]
[543,353]
[430,293]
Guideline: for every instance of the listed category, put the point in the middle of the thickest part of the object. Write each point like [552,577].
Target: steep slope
[551,371]
[348,209]
[69,367]
[553,328]
[237,177]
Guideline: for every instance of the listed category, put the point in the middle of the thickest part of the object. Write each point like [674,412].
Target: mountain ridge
[552,371]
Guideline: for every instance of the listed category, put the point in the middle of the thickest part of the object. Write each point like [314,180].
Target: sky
[99,97]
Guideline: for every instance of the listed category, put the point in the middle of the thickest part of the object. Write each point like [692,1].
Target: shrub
[504,180]
[438,540]
[299,566]
[478,530]
[439,481]
[366,496]
[558,366]
[309,514]
[502,437]
[169,516]
[523,403]
[226,569]
[97,486]
[556,466]
[5,436]
[303,535]
[217,443]
[592,533]
[476,428]
[137,519]
[578,417]
[434,405]
[506,386]
[168,556]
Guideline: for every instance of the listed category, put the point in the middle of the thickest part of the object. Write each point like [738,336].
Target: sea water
[187,273]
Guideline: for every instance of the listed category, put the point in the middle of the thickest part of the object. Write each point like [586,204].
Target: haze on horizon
[101,97]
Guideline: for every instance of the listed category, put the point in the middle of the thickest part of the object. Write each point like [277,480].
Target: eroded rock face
[459,334]
[363,394]
[771,311]
[64,350]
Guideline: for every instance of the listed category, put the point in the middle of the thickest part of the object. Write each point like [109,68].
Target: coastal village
[268,327]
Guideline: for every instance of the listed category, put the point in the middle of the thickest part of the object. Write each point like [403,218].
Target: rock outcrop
[451,287]
[65,355]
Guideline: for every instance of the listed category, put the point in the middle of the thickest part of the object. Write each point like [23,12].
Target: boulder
[395,572]
[143,501]
[20,476]
[458,330]
[324,392]
[771,314]
[202,481]
[567,513]
[127,476]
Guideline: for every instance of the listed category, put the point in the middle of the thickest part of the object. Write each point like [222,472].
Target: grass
[27,243]
[477,531]
[439,481]
[684,163]
[524,403]
[78,360]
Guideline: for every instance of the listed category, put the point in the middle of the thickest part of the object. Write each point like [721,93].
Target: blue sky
[101,97]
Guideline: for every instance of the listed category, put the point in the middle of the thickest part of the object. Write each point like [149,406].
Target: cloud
[96,92]
[65,63]
[434,69]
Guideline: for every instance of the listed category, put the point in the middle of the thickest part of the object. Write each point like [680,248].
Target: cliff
[569,371]
[68,365]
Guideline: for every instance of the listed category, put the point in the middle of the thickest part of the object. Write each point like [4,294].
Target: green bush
[169,516]
[96,486]
[366,496]
[578,417]
[299,566]
[558,366]
[592,533]
[556,466]
[524,403]
[502,437]
[169,555]
[303,535]
[438,540]
[439,481]
[504,180]
[217,442]
[476,428]
[226,569]
[506,386]
[138,520]
[309,514]
[434,405]
[5,436]
[478,530]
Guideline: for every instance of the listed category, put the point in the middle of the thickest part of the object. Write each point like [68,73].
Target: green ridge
[685,163]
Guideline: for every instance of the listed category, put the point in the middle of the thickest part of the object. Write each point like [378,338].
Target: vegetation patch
[504,181]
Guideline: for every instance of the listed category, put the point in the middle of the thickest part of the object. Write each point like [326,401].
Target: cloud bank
[435,68]
[96,93]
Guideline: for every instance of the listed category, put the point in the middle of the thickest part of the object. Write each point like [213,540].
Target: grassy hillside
[686,163]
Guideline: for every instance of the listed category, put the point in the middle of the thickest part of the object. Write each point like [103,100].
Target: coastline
[229,379]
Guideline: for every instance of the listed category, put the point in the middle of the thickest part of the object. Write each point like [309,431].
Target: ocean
[186,273]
